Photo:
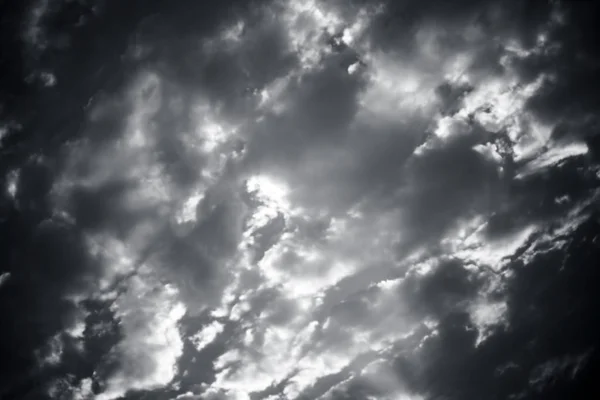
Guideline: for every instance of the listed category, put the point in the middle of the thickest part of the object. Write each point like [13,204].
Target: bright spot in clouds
[273,193]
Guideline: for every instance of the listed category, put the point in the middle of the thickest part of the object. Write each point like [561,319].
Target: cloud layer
[299,200]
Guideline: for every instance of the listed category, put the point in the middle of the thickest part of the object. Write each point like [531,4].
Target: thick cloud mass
[299,200]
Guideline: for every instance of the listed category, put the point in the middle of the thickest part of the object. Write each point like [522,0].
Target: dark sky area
[299,199]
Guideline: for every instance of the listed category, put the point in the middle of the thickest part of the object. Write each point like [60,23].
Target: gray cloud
[302,199]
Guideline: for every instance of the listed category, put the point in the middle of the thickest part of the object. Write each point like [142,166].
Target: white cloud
[206,335]
[4,277]
[486,316]
[553,156]
[147,307]
[83,391]
[272,194]
[48,78]
[148,314]
[12,184]
[306,20]
[469,242]
[281,343]
[397,88]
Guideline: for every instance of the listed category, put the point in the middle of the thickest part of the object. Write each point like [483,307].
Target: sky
[299,199]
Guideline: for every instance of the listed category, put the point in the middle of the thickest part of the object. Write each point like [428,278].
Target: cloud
[151,345]
[4,278]
[207,335]
[305,200]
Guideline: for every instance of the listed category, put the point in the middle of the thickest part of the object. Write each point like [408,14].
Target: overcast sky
[303,199]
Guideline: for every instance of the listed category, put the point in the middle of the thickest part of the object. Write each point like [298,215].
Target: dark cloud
[448,182]
[397,27]
[318,107]
[448,289]
[181,43]
[568,60]
[98,209]
[47,260]
[44,253]
[195,260]
[50,261]
[542,325]
[376,162]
